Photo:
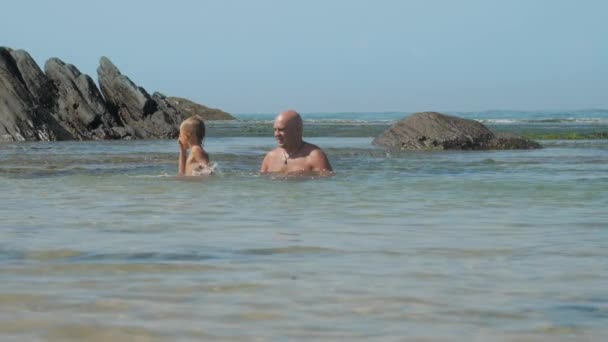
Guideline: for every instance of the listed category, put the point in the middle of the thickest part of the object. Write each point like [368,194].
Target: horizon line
[438,111]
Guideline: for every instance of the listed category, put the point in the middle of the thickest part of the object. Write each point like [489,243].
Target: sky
[265,56]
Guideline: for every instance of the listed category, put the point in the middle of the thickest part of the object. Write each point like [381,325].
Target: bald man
[293,155]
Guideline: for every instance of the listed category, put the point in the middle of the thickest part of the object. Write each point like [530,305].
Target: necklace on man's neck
[288,155]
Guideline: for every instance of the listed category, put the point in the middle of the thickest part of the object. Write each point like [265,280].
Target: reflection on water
[100,241]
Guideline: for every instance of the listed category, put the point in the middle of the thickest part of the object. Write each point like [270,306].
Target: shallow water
[99,241]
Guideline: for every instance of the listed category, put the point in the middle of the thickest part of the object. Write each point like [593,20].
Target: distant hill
[189,108]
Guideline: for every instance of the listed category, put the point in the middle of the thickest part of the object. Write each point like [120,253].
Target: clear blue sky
[326,56]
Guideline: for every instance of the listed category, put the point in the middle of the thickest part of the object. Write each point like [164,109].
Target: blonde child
[191,135]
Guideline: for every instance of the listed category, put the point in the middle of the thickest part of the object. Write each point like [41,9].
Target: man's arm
[319,161]
[264,167]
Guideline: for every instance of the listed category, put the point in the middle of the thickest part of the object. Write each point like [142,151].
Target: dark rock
[24,100]
[189,108]
[78,104]
[142,115]
[39,86]
[435,131]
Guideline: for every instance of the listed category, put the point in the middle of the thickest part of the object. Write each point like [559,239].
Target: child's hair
[194,126]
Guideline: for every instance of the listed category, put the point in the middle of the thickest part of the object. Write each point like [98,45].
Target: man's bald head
[289,118]
[288,129]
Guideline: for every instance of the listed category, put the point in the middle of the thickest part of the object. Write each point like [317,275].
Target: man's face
[284,132]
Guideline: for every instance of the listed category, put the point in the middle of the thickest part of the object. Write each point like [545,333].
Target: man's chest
[285,164]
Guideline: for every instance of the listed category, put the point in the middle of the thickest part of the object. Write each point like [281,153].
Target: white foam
[163,175]
[204,170]
[498,121]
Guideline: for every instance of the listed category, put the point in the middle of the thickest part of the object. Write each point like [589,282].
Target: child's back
[197,163]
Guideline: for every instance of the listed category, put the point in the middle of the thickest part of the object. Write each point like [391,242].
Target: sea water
[100,241]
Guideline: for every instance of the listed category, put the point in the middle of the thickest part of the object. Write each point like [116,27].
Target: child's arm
[181,161]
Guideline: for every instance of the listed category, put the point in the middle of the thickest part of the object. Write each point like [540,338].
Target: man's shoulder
[274,151]
[312,149]
[317,159]
[273,154]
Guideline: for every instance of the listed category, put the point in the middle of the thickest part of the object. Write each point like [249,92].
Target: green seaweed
[566,135]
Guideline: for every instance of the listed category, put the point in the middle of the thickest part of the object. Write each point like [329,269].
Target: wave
[289,250]
[162,175]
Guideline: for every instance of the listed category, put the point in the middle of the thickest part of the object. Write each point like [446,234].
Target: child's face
[184,138]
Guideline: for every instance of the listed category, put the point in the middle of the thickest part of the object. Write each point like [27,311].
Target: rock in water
[142,115]
[435,131]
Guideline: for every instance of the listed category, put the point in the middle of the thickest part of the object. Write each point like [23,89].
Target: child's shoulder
[198,151]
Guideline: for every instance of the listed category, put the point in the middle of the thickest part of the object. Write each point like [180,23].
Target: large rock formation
[143,115]
[435,131]
[61,103]
[25,98]
[78,105]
